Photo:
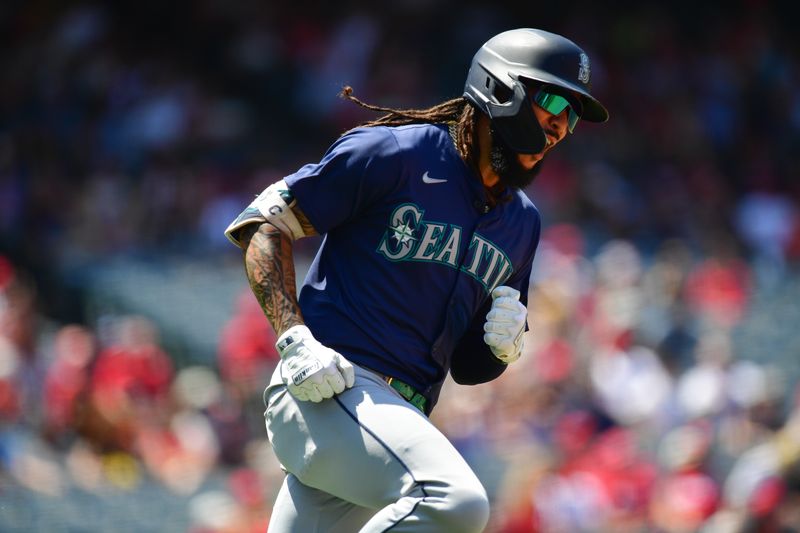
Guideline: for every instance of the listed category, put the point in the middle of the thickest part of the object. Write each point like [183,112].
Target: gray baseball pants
[367,461]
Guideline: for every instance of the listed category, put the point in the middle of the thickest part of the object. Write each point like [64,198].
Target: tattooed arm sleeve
[269,263]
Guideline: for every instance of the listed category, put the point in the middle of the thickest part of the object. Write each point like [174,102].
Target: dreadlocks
[459,114]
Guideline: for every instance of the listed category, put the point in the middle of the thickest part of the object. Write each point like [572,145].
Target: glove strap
[291,336]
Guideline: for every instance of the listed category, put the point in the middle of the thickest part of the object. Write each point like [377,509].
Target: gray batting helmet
[499,70]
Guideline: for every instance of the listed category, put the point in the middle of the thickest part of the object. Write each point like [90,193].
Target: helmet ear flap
[508,108]
[513,118]
[521,131]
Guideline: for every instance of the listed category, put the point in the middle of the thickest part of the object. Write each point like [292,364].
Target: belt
[408,392]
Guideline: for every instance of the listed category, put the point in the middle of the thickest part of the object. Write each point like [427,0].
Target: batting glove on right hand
[505,324]
[311,371]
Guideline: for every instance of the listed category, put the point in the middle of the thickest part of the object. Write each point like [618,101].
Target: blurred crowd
[141,129]
[104,408]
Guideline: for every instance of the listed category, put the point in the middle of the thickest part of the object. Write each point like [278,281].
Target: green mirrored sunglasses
[555,104]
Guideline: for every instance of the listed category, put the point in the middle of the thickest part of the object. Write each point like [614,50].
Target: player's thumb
[504,291]
[347,370]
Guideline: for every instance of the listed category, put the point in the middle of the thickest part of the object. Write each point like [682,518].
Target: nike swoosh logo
[428,179]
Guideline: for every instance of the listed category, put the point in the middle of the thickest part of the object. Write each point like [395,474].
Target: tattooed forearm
[270,270]
[308,229]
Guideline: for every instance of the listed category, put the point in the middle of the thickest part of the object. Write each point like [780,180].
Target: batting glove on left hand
[505,324]
[312,371]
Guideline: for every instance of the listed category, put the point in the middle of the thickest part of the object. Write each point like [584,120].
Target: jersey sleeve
[360,167]
[473,361]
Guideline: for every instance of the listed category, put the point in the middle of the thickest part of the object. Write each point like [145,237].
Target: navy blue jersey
[411,250]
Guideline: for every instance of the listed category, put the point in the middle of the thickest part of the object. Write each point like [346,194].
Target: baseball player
[423,270]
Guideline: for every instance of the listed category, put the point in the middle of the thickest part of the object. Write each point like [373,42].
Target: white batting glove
[505,324]
[311,371]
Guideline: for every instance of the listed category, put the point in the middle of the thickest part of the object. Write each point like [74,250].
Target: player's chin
[515,170]
[519,176]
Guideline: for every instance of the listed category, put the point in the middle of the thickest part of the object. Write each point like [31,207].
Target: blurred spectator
[247,354]
[685,495]
[67,382]
[21,367]
[129,385]
[767,221]
[718,289]
[702,389]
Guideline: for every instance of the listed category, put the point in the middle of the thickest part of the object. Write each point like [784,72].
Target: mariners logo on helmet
[583,71]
